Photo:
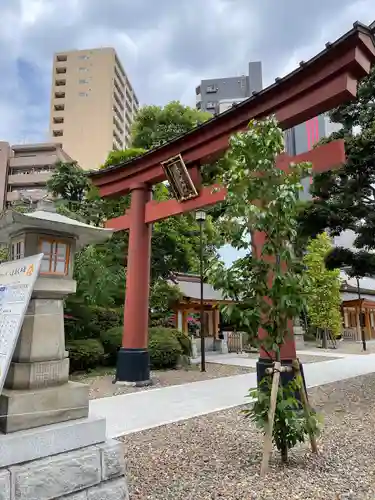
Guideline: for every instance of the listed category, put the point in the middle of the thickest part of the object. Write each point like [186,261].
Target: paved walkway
[332,353]
[146,409]
[246,361]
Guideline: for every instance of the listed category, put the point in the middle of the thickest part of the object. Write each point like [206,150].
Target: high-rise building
[93,104]
[219,94]
[25,170]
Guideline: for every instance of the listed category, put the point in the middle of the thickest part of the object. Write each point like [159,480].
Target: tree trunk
[324,339]
[284,453]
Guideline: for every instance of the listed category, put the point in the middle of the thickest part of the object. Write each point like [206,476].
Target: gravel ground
[218,456]
[101,386]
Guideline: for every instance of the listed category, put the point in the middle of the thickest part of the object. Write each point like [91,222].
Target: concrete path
[147,409]
[246,361]
[324,354]
[229,359]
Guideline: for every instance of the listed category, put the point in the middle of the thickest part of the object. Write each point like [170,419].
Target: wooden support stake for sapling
[267,445]
[306,405]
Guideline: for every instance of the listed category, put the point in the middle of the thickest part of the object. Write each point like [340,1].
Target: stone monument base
[26,409]
[70,460]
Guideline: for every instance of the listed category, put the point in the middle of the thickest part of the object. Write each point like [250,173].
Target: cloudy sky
[166,46]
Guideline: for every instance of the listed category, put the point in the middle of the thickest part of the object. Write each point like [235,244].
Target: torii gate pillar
[133,358]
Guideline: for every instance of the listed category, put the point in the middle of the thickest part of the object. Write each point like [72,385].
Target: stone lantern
[45,417]
[40,360]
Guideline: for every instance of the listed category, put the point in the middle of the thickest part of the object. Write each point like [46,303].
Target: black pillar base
[285,377]
[133,367]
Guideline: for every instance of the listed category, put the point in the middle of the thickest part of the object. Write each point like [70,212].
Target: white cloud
[166,47]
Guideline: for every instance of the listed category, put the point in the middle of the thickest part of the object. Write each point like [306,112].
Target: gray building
[218,94]
[25,170]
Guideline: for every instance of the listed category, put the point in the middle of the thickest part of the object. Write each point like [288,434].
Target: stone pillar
[133,358]
[38,377]
[224,344]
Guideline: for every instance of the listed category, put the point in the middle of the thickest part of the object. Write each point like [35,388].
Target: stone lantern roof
[45,218]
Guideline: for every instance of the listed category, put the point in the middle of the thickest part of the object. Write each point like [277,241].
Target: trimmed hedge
[166,346]
[85,354]
[165,351]
[182,339]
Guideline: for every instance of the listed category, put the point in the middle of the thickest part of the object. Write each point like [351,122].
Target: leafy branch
[266,284]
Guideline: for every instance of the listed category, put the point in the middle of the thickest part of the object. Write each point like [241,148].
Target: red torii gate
[327,80]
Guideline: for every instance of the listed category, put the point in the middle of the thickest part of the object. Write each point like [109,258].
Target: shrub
[166,345]
[164,348]
[182,339]
[87,322]
[111,340]
[85,354]
[105,319]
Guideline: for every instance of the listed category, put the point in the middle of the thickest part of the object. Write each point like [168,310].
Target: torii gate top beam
[327,80]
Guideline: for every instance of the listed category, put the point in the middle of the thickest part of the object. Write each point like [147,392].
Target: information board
[17,280]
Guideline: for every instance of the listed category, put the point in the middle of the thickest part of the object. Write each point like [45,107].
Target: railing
[235,342]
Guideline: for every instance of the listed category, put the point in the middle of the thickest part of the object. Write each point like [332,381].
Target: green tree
[344,198]
[99,269]
[155,125]
[322,287]
[261,198]
[268,285]
[69,182]
[100,281]
[121,156]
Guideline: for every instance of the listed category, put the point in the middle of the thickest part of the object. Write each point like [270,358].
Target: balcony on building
[118,101]
[118,126]
[119,78]
[30,176]
[25,193]
[118,90]
[34,155]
